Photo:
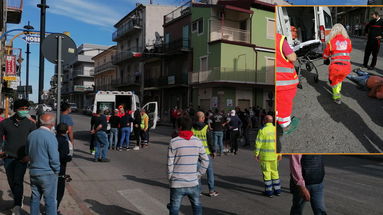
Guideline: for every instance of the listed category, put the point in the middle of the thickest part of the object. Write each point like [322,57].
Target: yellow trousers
[270,170]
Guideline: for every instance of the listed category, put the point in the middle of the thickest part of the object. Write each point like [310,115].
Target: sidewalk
[68,205]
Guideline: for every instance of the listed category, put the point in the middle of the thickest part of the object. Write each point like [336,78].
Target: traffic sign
[68,50]
[32,39]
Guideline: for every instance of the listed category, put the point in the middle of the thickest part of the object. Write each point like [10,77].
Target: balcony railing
[180,11]
[14,11]
[127,54]
[177,45]
[104,67]
[82,88]
[219,32]
[218,74]
[166,81]
[129,26]
[119,82]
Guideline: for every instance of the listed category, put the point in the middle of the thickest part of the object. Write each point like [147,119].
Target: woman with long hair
[338,49]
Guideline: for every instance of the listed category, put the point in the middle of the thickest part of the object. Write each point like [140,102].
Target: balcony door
[185,36]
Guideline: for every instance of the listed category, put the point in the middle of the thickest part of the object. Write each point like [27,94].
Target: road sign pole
[27,75]
[43,6]
[59,71]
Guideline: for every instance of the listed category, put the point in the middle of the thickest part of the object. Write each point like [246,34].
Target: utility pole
[43,6]
[27,27]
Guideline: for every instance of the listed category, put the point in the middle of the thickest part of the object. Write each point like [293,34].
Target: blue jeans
[15,171]
[176,196]
[125,135]
[44,185]
[218,140]
[101,144]
[317,200]
[113,137]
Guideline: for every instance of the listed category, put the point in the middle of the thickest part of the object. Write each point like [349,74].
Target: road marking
[144,202]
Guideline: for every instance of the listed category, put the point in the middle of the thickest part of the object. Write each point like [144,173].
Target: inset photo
[329,79]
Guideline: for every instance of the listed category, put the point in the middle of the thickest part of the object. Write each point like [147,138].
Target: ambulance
[110,100]
[312,23]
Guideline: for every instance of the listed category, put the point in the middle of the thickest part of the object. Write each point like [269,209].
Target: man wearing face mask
[15,130]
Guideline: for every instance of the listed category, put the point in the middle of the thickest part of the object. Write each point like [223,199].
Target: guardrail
[180,11]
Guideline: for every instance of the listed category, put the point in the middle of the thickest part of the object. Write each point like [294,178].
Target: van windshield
[105,106]
[327,20]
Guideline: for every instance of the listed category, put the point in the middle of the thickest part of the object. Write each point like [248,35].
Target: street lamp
[27,28]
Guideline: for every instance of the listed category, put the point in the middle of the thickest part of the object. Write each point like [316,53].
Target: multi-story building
[104,70]
[233,54]
[354,16]
[137,33]
[78,77]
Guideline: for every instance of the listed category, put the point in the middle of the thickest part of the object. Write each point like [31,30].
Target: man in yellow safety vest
[144,129]
[265,154]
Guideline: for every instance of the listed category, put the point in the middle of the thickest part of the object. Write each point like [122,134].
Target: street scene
[170,107]
[353,125]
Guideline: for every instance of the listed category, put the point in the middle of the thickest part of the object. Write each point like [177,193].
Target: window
[270,32]
[270,70]
[167,38]
[203,64]
[327,20]
[197,26]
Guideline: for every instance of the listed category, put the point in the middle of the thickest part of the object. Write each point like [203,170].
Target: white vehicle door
[152,111]
[283,23]
[325,22]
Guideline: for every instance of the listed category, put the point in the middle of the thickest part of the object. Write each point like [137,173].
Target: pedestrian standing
[184,169]
[338,49]
[234,125]
[246,126]
[101,138]
[144,126]
[15,131]
[217,125]
[114,121]
[137,128]
[67,119]
[173,116]
[374,31]
[42,149]
[201,130]
[65,157]
[307,174]
[265,154]
[92,136]
[126,128]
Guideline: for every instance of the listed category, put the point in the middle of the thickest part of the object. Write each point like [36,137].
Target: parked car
[44,107]
[73,107]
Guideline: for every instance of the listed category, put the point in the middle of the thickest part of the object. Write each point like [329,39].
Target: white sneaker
[136,148]
[16,210]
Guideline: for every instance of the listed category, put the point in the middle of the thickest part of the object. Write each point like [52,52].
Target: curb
[85,210]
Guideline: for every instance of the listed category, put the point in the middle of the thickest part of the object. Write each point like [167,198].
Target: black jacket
[374,28]
[63,149]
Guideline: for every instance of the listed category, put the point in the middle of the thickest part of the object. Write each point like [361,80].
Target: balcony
[127,55]
[177,46]
[82,88]
[181,11]
[248,76]
[120,83]
[83,74]
[14,11]
[104,67]
[167,81]
[132,25]
[220,32]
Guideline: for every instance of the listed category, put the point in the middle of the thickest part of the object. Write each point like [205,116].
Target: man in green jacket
[265,154]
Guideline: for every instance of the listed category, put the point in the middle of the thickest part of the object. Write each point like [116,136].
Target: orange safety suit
[286,84]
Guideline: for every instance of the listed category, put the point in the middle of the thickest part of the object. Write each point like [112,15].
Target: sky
[328,2]
[88,21]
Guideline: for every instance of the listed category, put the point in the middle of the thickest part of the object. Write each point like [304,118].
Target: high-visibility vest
[143,118]
[338,49]
[265,143]
[286,77]
[202,135]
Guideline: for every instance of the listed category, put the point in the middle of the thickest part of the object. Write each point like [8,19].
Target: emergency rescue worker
[265,154]
[201,130]
[374,29]
[338,49]
[286,85]
[144,128]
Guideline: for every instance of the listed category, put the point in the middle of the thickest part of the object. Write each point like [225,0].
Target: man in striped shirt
[185,151]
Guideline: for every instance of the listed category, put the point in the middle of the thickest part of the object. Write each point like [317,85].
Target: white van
[312,23]
[110,100]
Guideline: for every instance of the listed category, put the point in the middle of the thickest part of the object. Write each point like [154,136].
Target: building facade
[104,70]
[78,77]
[233,55]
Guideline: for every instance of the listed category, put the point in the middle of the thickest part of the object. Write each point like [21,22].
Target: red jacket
[286,77]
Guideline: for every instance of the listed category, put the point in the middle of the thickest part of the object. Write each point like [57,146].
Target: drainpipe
[256,71]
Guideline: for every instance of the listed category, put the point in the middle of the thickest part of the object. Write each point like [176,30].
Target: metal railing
[220,74]
[125,55]
[182,44]
[219,32]
[104,67]
[131,24]
[180,11]
[120,82]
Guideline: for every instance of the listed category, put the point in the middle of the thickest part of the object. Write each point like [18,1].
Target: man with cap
[15,130]
[234,125]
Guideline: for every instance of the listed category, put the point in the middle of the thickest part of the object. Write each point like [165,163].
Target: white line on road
[144,202]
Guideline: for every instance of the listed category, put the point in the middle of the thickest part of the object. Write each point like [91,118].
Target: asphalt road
[135,182]
[353,127]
